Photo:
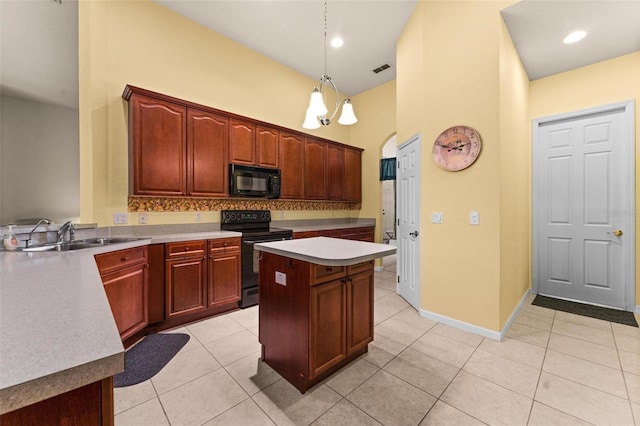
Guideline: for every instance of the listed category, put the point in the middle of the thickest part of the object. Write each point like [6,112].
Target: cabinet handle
[124,258]
[328,269]
[186,248]
[225,244]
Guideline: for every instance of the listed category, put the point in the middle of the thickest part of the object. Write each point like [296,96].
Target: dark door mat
[148,357]
[607,314]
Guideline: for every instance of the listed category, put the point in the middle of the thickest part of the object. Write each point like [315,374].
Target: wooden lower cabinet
[364,233]
[318,321]
[224,272]
[124,274]
[185,277]
[91,404]
[200,275]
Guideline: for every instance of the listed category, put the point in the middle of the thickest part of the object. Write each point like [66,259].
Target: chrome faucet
[40,222]
[68,226]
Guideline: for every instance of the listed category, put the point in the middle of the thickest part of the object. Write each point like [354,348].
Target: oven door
[250,257]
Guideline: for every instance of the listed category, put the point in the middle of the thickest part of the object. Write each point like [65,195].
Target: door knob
[414,234]
[618,233]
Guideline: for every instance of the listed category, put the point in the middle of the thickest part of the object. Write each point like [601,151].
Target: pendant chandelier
[317,112]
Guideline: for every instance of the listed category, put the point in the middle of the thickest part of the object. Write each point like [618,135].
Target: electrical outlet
[436,217]
[120,218]
[198,216]
[142,218]
[281,214]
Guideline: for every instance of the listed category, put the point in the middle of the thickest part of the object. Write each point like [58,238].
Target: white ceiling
[39,40]
[39,50]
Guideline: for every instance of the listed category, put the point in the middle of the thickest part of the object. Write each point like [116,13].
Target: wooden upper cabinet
[291,159]
[353,175]
[242,142]
[335,172]
[157,139]
[207,136]
[267,147]
[315,180]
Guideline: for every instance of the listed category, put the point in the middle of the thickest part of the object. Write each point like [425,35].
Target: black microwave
[249,181]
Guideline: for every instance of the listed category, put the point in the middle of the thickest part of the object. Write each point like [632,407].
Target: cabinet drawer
[359,267]
[224,245]
[322,273]
[185,248]
[109,262]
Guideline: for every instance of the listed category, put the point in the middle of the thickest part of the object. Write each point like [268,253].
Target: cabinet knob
[124,258]
[186,248]
[329,269]
[225,244]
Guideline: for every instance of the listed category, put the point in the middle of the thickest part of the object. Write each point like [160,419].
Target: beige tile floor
[553,368]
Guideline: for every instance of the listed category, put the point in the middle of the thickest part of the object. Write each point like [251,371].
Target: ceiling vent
[382,68]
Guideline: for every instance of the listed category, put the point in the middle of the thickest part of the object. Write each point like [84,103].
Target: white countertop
[57,332]
[328,251]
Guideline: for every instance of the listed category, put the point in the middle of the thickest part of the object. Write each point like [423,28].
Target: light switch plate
[436,217]
[474,218]
[120,218]
[198,216]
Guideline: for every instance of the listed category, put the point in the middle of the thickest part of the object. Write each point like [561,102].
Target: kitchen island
[316,305]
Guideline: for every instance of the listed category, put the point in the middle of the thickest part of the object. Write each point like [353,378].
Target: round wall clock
[457,148]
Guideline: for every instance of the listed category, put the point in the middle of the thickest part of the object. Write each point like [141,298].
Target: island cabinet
[314,319]
[124,274]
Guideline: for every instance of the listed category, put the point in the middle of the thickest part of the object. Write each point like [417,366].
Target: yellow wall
[515,179]
[377,123]
[455,65]
[603,83]
[146,45]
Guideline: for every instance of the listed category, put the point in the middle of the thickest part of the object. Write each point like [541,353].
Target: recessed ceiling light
[337,42]
[575,36]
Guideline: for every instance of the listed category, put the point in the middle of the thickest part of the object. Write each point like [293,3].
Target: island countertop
[327,251]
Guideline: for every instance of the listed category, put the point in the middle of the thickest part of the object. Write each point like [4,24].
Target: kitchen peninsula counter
[57,331]
[316,305]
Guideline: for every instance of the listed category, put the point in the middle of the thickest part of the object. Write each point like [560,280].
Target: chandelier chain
[325,37]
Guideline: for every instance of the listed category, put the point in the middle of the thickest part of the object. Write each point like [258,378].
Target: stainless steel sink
[80,244]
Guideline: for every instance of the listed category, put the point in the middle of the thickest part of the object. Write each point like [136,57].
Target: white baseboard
[485,332]
[461,325]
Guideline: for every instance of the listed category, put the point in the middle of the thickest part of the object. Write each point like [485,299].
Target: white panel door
[408,216]
[582,177]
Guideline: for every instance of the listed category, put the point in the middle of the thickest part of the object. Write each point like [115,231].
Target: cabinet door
[315,157]
[184,281]
[359,311]
[327,329]
[224,279]
[207,142]
[335,172]
[127,291]
[291,153]
[267,147]
[242,142]
[158,146]
[353,175]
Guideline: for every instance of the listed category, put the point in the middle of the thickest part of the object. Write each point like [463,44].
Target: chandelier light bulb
[347,117]
[310,120]
[316,104]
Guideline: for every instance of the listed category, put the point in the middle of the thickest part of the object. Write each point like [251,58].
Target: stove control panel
[246,216]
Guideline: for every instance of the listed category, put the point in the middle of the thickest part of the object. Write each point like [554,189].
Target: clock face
[457,148]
